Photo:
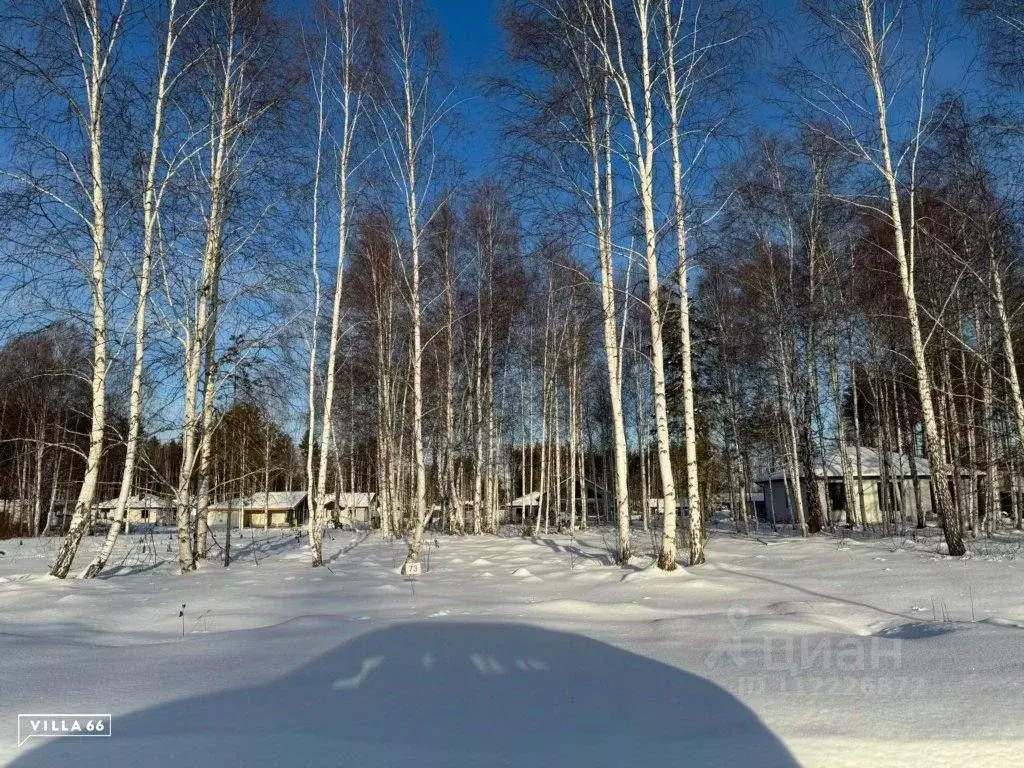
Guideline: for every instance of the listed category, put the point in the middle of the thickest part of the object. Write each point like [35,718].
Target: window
[837,496]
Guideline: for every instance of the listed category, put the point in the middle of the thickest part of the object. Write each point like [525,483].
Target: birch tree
[74,67]
[632,72]
[349,104]
[154,187]
[233,93]
[598,125]
[407,118]
[313,499]
[866,32]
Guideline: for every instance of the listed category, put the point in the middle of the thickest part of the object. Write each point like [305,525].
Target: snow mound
[652,571]
[521,573]
[481,561]
[599,611]
[22,577]
[795,617]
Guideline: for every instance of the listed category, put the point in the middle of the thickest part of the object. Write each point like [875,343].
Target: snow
[511,651]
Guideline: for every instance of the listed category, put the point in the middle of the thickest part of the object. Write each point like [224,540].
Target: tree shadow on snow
[444,694]
[577,551]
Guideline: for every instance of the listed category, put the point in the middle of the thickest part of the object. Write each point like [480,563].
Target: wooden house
[142,509]
[891,485]
[274,509]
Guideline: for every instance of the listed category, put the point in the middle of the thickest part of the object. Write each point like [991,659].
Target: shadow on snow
[446,694]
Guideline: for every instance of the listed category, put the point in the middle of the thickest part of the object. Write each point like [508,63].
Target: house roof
[585,487]
[141,501]
[531,499]
[870,465]
[353,499]
[259,501]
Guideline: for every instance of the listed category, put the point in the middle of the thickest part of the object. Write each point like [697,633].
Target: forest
[659,252]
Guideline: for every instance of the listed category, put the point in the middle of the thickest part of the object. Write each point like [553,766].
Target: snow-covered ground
[511,651]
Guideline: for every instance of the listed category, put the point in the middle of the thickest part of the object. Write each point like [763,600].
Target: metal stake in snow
[181,615]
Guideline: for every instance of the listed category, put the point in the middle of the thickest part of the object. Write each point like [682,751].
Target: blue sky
[475,47]
[471,28]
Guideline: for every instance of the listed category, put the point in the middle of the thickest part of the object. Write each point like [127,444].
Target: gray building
[886,485]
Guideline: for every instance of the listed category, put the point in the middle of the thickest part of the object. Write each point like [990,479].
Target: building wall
[777,504]
[220,517]
[279,518]
[257,518]
[777,493]
[350,515]
[155,517]
[904,505]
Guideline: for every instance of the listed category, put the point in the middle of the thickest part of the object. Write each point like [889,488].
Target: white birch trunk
[698,530]
[314,490]
[610,42]
[94,64]
[150,212]
[940,468]
[197,339]
[411,142]
[603,204]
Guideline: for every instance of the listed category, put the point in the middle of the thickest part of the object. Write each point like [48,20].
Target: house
[657,505]
[888,487]
[525,505]
[755,500]
[274,509]
[354,508]
[751,499]
[144,508]
[62,511]
[589,495]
